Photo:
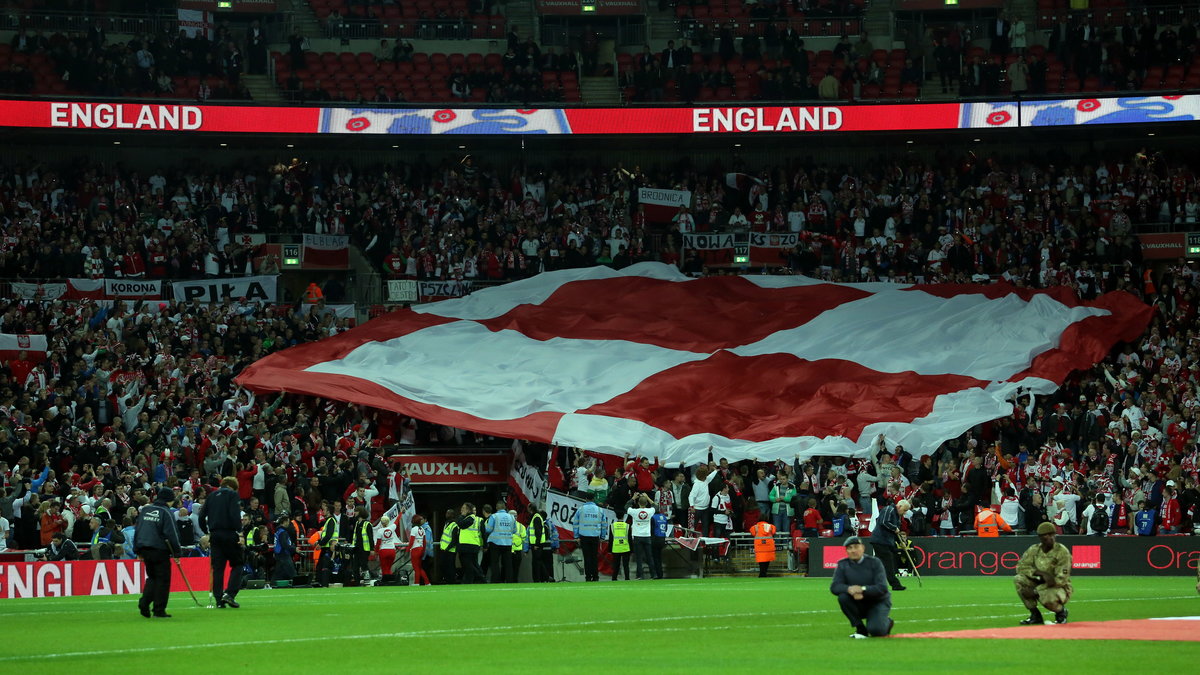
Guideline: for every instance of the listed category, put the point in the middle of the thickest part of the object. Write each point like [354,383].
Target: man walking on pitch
[860,584]
[155,540]
[223,520]
[1044,576]
[884,537]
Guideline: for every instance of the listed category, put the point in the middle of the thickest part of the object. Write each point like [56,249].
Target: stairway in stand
[263,89]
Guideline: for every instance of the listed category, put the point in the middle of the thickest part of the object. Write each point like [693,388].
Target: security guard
[363,543]
[500,527]
[330,533]
[519,546]
[764,544]
[589,525]
[222,519]
[448,550]
[155,540]
[989,523]
[470,539]
[537,544]
[1044,576]
[619,538]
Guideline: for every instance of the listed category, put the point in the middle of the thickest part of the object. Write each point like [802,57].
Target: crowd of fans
[1083,52]
[172,65]
[133,396]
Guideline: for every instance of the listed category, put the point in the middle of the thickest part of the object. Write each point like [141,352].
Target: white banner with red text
[527,482]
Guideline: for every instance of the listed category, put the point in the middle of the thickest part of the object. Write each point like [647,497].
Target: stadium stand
[131,396]
[396,75]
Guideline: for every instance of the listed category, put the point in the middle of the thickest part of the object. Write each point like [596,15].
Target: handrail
[56,20]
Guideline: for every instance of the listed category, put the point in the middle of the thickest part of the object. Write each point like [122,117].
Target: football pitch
[730,624]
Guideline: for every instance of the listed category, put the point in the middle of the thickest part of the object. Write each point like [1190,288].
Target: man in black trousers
[155,540]
[861,587]
[222,518]
[883,539]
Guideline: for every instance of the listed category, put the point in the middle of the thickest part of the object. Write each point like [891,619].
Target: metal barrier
[741,558]
[425,29]
[68,22]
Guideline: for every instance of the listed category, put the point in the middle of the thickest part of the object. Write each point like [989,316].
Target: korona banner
[998,556]
[252,289]
[91,577]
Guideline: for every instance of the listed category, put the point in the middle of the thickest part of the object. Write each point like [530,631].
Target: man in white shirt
[796,217]
[5,532]
[640,518]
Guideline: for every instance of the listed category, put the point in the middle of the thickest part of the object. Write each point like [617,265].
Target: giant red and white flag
[326,250]
[646,360]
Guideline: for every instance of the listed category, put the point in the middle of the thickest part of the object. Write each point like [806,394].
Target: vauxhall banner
[661,205]
[91,577]
[998,556]
[142,289]
[252,289]
[526,481]
[450,469]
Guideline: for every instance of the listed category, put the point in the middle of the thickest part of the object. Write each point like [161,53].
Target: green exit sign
[224,4]
[589,8]
[951,3]
[1193,244]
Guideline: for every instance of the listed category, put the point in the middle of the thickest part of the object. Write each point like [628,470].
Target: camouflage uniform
[1055,569]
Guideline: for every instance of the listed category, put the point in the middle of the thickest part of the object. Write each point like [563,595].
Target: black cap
[166,494]
[850,541]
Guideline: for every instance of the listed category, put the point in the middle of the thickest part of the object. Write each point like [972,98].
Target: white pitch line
[557,627]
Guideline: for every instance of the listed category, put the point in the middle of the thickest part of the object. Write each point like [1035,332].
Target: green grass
[737,624]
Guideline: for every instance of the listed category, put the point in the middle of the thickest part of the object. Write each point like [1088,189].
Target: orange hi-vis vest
[764,541]
[988,524]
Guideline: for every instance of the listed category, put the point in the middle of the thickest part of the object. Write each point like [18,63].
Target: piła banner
[250,289]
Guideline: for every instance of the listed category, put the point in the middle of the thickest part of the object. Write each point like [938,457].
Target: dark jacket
[887,526]
[222,512]
[867,573]
[155,529]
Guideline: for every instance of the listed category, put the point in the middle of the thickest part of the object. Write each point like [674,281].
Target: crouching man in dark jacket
[860,584]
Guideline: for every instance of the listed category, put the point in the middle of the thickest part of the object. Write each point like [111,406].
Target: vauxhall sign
[449,469]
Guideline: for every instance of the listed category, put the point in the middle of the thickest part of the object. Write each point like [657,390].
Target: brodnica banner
[92,577]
